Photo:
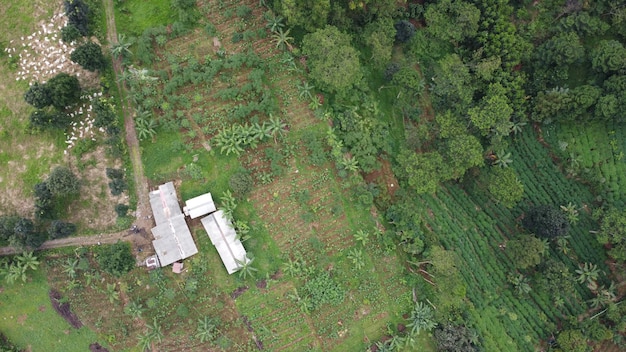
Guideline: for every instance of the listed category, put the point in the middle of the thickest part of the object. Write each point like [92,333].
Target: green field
[29,320]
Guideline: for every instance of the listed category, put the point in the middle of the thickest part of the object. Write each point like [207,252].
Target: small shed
[177,268]
[200,205]
[224,238]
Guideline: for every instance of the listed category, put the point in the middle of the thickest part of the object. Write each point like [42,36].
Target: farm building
[172,239]
[224,238]
[198,206]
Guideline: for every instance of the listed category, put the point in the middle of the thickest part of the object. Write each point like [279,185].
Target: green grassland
[28,319]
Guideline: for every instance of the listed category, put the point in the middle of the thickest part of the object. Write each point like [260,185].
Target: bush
[63,182]
[117,186]
[89,56]
[61,229]
[38,95]
[64,90]
[116,259]
[77,13]
[42,119]
[322,289]
[121,210]
[7,226]
[241,183]
[70,33]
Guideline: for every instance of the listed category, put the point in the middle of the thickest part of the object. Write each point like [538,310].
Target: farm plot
[596,153]
[477,230]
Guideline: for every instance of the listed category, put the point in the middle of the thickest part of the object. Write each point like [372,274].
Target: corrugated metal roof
[198,206]
[172,239]
[224,238]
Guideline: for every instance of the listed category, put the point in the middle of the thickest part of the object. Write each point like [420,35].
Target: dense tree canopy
[452,20]
[64,90]
[63,182]
[89,56]
[333,61]
[546,221]
[525,251]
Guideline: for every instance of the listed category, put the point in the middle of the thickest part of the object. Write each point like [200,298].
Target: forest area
[432,175]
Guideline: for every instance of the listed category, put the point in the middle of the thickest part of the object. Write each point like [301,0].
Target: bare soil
[64,309]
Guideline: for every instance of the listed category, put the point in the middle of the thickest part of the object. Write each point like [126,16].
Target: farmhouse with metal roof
[172,239]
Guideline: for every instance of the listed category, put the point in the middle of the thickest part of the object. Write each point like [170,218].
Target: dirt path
[141,182]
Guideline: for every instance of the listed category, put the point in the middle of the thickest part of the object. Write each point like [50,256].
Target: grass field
[28,319]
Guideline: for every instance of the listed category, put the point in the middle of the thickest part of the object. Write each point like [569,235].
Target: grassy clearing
[132,17]
[29,320]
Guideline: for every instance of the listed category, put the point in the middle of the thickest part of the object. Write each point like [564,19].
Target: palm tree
[516,127]
[111,293]
[28,261]
[520,283]
[122,47]
[356,256]
[282,39]
[571,211]
[273,22]
[588,273]
[245,267]
[362,237]
[206,330]
[145,127]
[350,164]
[305,90]
[155,331]
[421,319]
[292,268]
[228,204]
[276,126]
[134,309]
[69,267]
[503,159]
[562,243]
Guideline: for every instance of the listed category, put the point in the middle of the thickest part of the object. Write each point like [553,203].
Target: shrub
[322,289]
[61,229]
[117,186]
[77,13]
[63,182]
[121,210]
[241,183]
[89,56]
[70,33]
[38,95]
[116,259]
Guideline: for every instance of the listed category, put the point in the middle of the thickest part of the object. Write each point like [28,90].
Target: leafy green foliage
[546,221]
[64,90]
[613,231]
[379,37]
[572,341]
[464,152]
[608,56]
[89,56]
[333,62]
[63,182]
[61,229]
[525,251]
[116,259]
[322,289]
[454,338]
[38,95]
[504,186]
[563,49]
[77,12]
[450,20]
[424,171]
[241,183]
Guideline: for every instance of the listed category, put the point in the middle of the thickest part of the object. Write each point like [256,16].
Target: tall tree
[452,20]
[333,61]
[546,221]
[65,90]
[613,232]
[38,95]
[525,251]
